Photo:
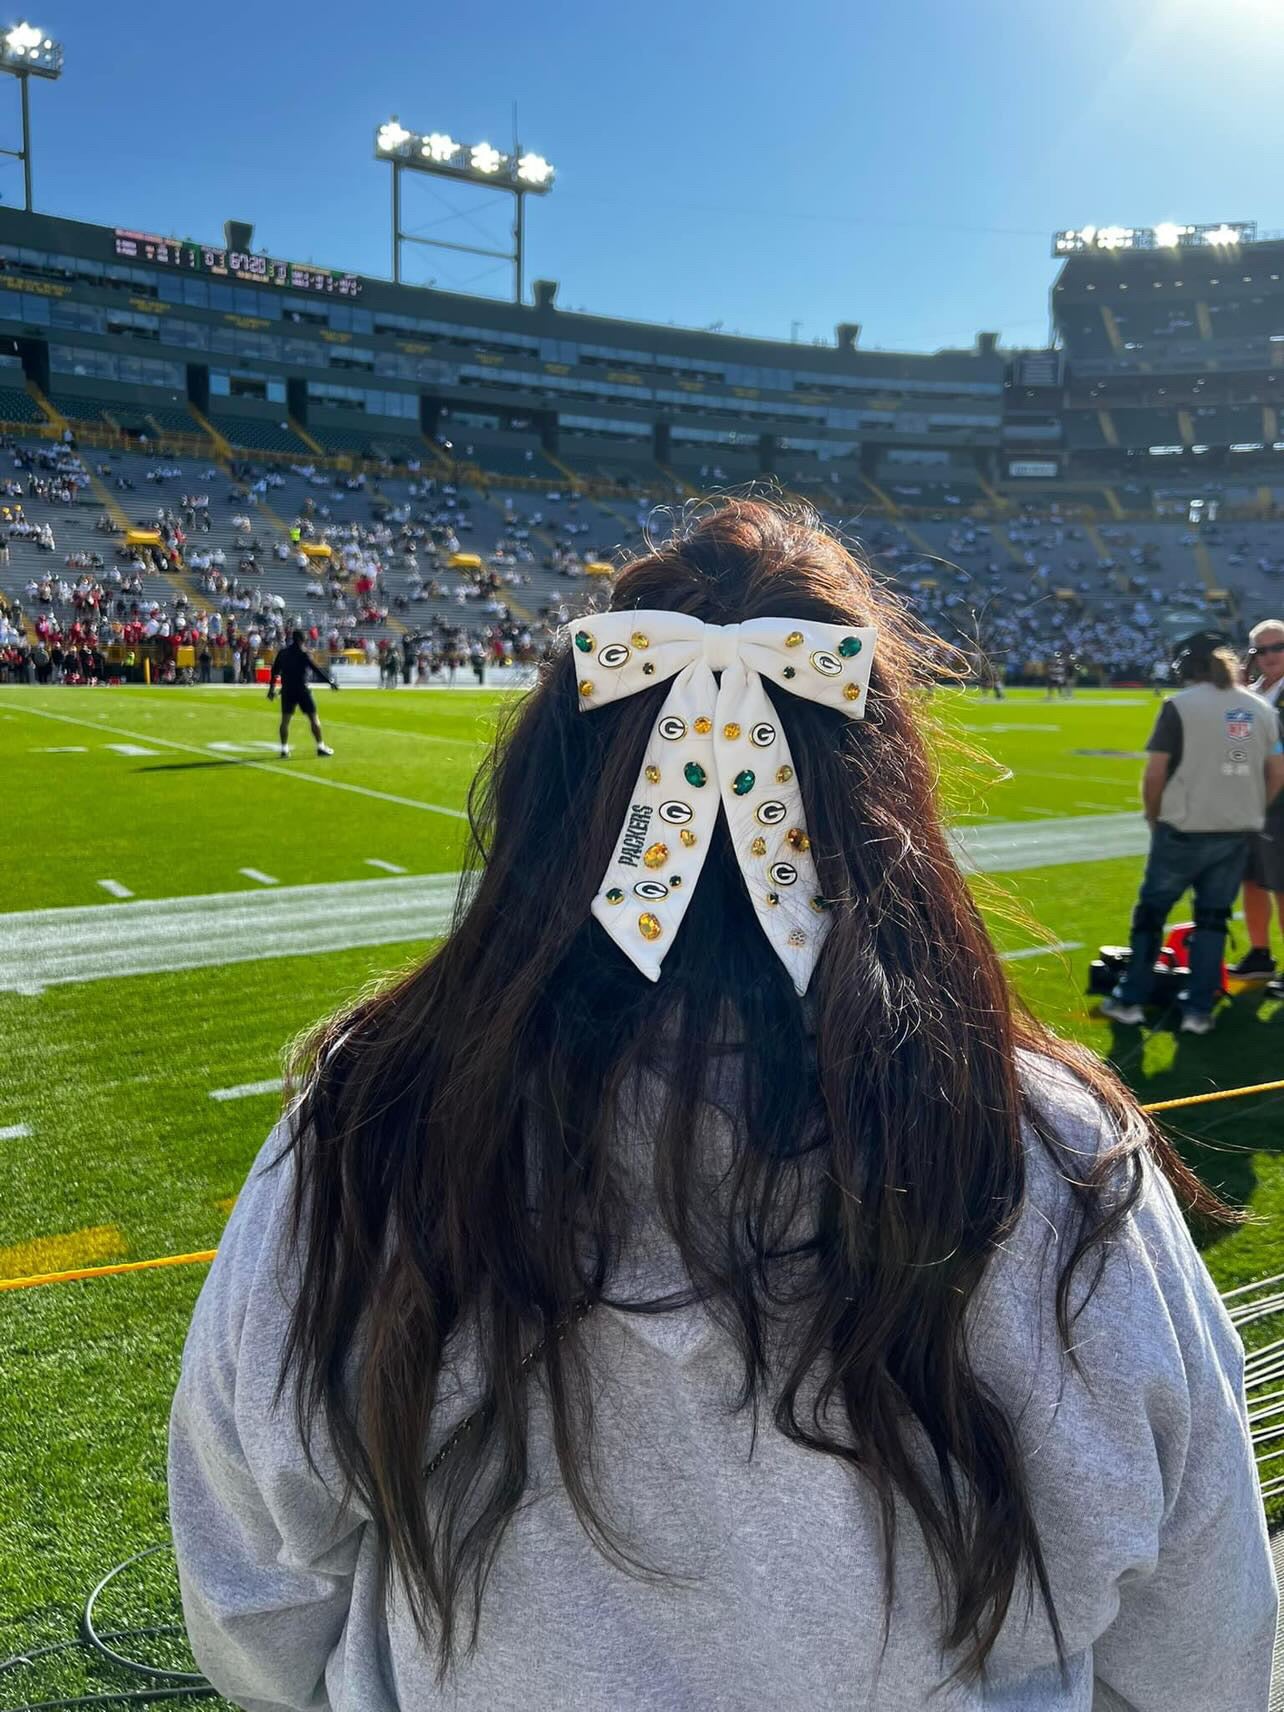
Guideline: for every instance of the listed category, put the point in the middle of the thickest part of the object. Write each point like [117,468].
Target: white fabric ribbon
[716,742]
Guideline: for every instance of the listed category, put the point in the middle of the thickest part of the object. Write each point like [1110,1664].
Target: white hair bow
[716,742]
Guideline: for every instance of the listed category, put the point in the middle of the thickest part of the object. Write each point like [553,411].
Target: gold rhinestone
[649,925]
[783,775]
[639,640]
[852,692]
[586,687]
[797,938]
[731,731]
[797,839]
[794,639]
[653,775]
[656,855]
[702,725]
[759,847]
[773,898]
[688,837]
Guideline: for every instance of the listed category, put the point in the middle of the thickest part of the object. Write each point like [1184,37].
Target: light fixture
[391,137]
[1222,235]
[486,158]
[1168,236]
[439,146]
[534,169]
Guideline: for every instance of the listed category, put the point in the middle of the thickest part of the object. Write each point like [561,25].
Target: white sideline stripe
[1101,808]
[388,867]
[1041,950]
[259,766]
[14,1132]
[50,947]
[1009,847]
[246,1090]
[53,947]
[115,888]
[255,874]
[129,749]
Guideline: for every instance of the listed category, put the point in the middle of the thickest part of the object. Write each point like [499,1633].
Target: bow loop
[717,744]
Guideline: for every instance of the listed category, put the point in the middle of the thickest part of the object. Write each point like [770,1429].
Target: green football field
[178,904]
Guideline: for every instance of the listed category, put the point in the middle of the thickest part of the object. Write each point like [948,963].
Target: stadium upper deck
[104,321]
[1161,389]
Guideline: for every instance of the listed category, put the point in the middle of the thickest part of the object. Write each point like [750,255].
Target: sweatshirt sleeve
[1196,1618]
[265,1550]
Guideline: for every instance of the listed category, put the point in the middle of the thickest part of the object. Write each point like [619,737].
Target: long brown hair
[457,1134]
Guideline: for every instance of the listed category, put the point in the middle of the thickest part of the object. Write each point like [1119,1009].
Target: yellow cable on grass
[207,1254]
[204,1254]
[1206,1099]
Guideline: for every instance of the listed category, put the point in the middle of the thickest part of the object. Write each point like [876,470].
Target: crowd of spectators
[366,559]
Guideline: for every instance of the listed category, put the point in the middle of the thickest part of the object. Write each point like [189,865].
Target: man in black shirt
[293,666]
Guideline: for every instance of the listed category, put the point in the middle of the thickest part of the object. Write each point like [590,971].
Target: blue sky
[901,164]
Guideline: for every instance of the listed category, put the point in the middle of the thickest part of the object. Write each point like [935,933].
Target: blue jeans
[1212,864]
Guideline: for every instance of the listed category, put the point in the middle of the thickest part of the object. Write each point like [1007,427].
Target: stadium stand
[347,442]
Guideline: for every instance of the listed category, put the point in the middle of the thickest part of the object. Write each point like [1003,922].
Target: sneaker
[1117,1012]
[1197,1022]
[324,749]
[285,751]
[1257,962]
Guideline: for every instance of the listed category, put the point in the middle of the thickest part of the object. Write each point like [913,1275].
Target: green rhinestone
[615,896]
[848,646]
[583,641]
[820,905]
[789,672]
[743,783]
[694,774]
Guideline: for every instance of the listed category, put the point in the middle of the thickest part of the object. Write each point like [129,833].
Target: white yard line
[1101,808]
[130,749]
[115,888]
[257,874]
[1057,945]
[53,947]
[388,867]
[14,1132]
[246,1090]
[258,766]
[62,749]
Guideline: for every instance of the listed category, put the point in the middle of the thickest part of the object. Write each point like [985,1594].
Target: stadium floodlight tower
[26,52]
[480,165]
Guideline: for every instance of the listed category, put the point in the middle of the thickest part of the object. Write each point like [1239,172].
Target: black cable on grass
[97,1643]
[165,1686]
[128,1697]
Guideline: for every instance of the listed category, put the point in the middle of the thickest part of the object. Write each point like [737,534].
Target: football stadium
[204,447]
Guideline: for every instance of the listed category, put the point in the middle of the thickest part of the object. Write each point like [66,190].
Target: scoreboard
[232,264]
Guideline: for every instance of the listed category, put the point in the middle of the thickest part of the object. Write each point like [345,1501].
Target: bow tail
[764,809]
[672,811]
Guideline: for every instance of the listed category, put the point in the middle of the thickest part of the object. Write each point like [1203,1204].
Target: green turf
[114,1075]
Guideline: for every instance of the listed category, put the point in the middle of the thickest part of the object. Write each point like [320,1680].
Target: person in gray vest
[1214,764]
[1264,874]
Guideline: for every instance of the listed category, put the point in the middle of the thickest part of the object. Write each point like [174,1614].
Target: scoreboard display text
[232,264]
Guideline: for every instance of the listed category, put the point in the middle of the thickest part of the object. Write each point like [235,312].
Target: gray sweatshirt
[1141,1475]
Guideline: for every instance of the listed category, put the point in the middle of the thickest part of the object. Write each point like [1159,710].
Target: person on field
[698,1284]
[293,667]
[1264,875]
[1214,764]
